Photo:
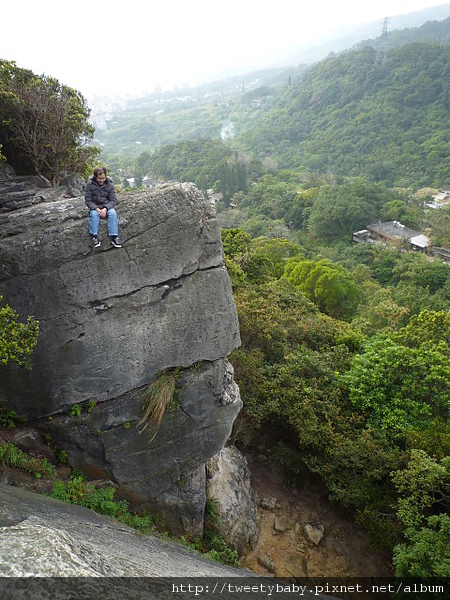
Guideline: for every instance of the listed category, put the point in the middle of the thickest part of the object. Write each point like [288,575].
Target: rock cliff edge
[110,321]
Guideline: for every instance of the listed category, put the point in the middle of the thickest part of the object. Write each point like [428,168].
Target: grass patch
[158,397]
[78,491]
[13,456]
[220,551]
[214,547]
[213,521]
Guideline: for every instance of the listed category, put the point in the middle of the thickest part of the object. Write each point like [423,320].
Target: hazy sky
[120,47]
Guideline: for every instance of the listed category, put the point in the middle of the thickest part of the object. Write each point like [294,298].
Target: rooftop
[421,241]
[393,230]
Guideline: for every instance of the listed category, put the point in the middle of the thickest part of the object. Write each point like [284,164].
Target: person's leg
[94,222]
[113,227]
[112,222]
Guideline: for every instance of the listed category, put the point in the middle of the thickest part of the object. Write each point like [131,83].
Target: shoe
[115,241]
[95,241]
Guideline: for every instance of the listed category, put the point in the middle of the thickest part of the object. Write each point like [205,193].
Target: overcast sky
[121,47]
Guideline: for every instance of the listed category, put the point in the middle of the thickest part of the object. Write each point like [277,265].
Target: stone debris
[266,561]
[314,533]
[282,523]
[269,503]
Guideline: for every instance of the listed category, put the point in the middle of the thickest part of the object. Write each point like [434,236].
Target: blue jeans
[111,220]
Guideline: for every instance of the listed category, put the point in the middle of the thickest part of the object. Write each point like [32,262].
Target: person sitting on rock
[100,198]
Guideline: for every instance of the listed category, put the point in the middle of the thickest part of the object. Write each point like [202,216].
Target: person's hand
[103,212]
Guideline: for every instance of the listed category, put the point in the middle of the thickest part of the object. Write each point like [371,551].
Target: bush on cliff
[17,340]
[44,127]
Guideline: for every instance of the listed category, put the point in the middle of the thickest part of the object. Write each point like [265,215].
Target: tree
[17,340]
[208,163]
[277,251]
[424,489]
[298,213]
[429,329]
[440,223]
[380,314]
[338,211]
[417,269]
[235,242]
[403,386]
[327,284]
[426,551]
[46,121]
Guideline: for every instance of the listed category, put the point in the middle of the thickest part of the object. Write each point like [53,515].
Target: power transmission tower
[382,50]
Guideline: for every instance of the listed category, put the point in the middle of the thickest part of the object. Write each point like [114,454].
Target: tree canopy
[363,403]
[327,284]
[350,116]
[44,127]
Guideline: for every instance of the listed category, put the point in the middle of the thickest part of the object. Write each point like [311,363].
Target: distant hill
[432,32]
[347,115]
[349,37]
[350,116]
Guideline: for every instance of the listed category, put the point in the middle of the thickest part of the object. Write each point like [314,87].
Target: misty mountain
[353,113]
[354,116]
[345,39]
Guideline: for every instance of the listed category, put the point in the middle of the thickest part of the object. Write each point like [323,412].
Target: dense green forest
[351,114]
[344,366]
[351,117]
[345,374]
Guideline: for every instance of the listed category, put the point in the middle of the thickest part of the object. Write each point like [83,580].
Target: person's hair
[99,170]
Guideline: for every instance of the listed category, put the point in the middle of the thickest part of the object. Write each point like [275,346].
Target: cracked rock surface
[110,320]
[42,537]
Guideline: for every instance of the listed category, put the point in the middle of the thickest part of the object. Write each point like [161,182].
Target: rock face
[18,192]
[42,537]
[110,321]
[228,483]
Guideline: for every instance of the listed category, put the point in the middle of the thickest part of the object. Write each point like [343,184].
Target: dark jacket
[100,196]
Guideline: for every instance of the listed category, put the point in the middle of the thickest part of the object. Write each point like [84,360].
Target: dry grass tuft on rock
[158,396]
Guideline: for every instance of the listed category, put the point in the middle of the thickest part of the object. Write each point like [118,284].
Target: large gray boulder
[110,321]
[228,484]
[73,541]
[55,551]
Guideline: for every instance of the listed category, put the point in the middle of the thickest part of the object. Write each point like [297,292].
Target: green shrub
[426,551]
[213,521]
[220,551]
[9,418]
[78,491]
[75,411]
[291,460]
[17,340]
[15,457]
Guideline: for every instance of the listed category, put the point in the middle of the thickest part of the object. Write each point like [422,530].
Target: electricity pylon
[382,50]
